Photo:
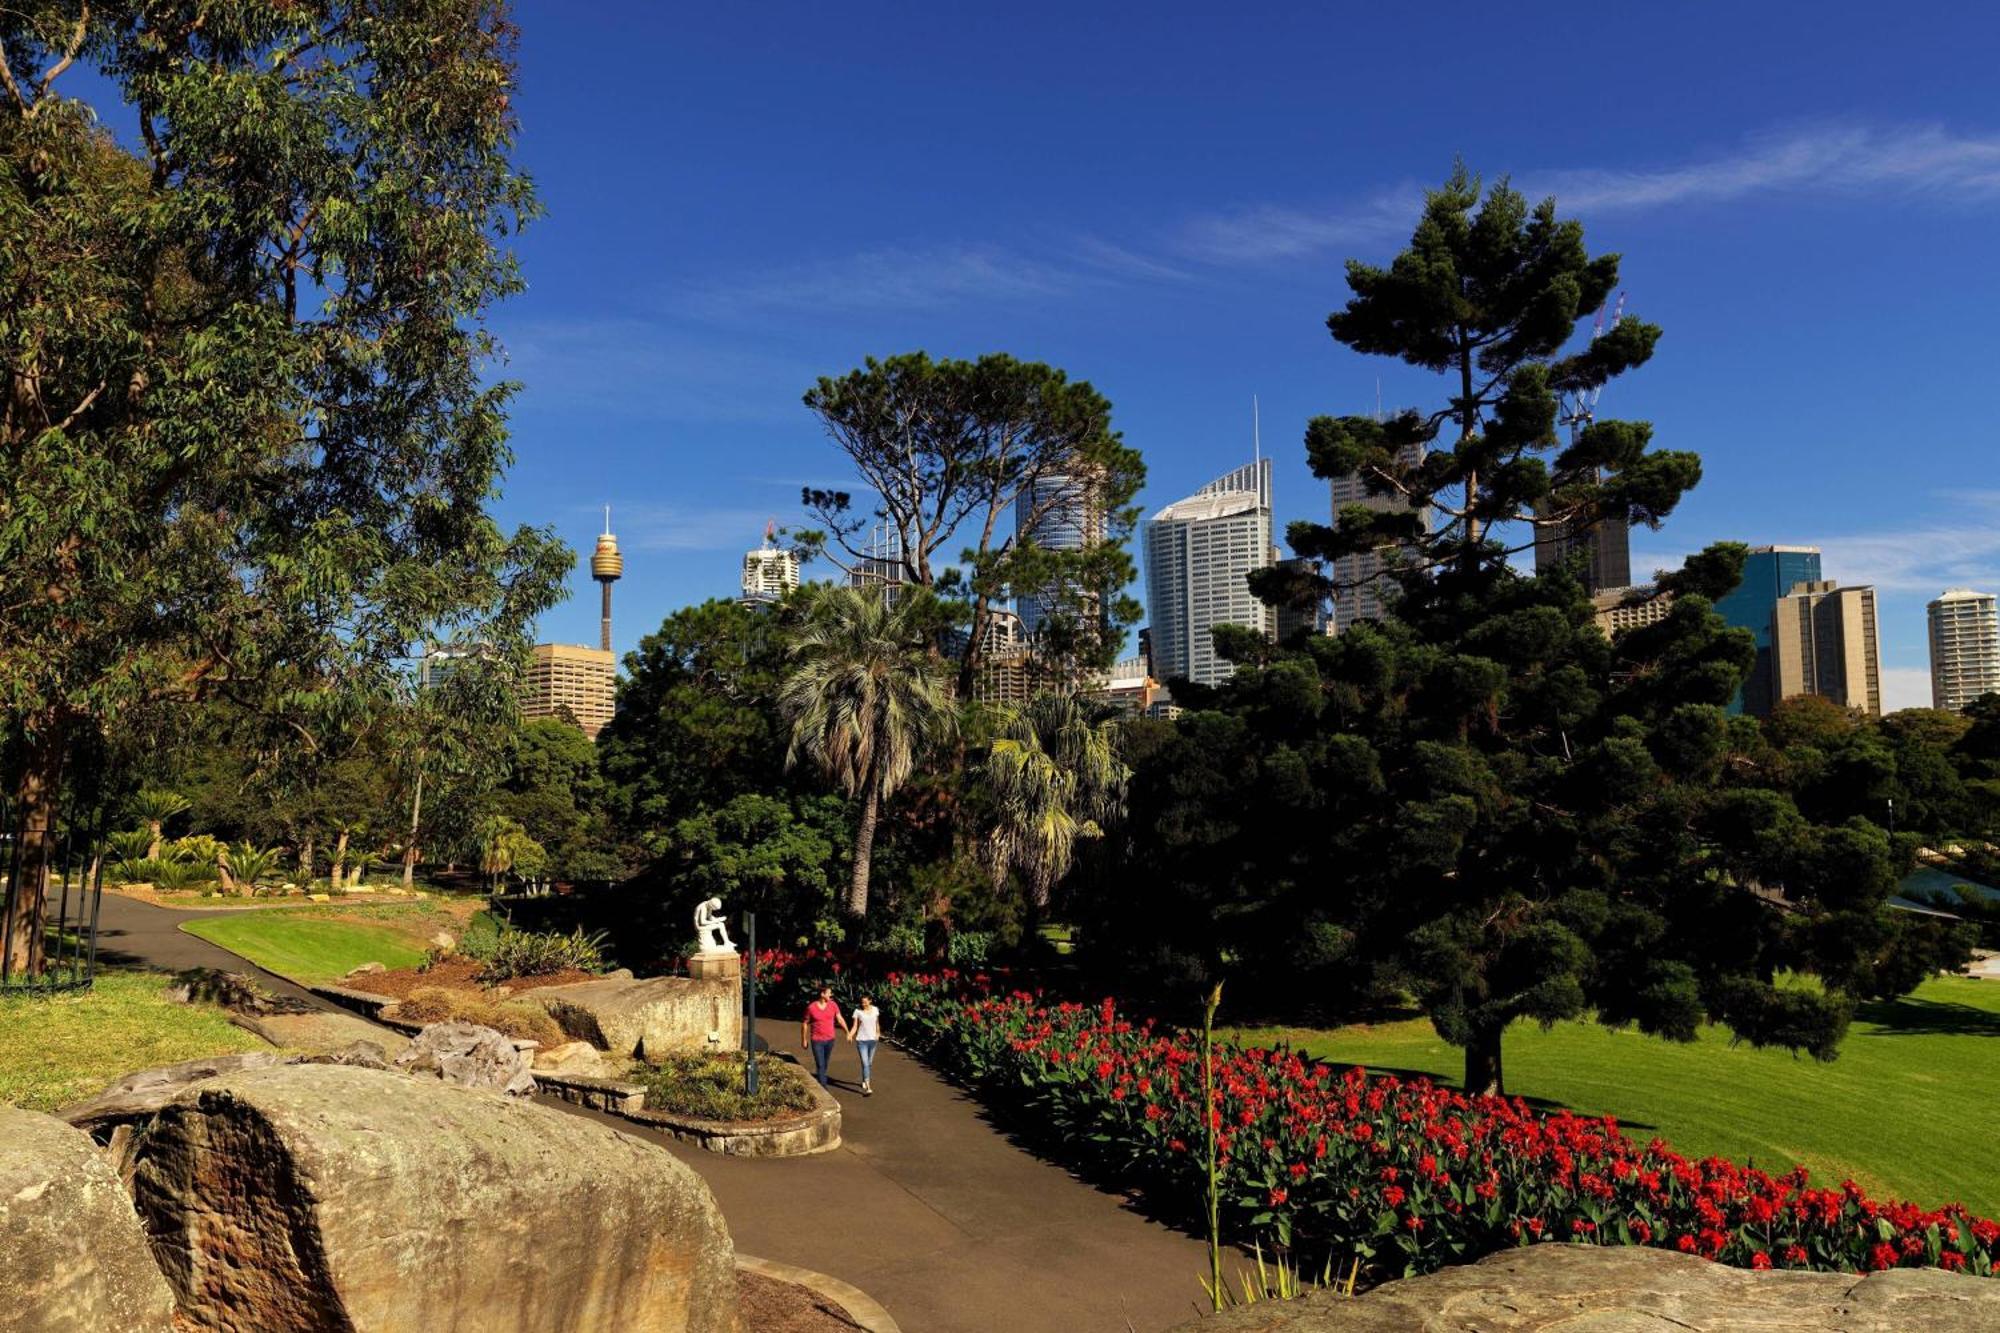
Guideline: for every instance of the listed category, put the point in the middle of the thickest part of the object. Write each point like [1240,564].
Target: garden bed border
[804,1134]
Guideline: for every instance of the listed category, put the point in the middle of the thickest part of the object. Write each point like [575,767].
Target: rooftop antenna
[607,520]
[1378,400]
[1256,432]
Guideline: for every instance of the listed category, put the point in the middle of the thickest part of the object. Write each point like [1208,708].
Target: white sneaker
[867,1088]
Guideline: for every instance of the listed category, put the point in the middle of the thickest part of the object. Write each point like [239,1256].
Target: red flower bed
[1402,1172]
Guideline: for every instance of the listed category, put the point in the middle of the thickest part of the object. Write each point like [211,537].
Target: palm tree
[1053,777]
[866,695]
[155,806]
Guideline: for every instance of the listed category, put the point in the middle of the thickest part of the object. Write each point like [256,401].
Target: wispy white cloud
[637,368]
[1959,548]
[1923,159]
[1910,160]
[686,527]
[1917,159]
[1262,233]
[889,279]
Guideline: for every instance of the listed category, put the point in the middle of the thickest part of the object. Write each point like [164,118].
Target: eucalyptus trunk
[37,799]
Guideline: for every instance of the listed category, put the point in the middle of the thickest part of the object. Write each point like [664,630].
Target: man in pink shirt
[819,1029]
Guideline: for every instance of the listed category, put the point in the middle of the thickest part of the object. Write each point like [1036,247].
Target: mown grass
[1906,1110]
[60,1049]
[321,945]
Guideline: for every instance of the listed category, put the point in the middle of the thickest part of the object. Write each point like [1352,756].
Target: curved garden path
[940,1217]
[926,1207]
[138,933]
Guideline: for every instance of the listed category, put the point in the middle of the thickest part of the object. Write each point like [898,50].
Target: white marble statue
[710,927]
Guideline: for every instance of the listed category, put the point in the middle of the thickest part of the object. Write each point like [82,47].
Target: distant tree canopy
[956,452]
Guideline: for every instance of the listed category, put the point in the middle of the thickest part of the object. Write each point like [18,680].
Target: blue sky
[1159,200]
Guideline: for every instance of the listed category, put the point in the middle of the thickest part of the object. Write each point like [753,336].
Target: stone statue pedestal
[716,966]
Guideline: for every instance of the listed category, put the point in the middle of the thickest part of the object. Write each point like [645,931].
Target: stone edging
[814,1131]
[364,1002]
[858,1305]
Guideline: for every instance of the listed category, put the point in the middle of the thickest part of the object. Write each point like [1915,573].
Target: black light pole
[1892,816]
[750,1006]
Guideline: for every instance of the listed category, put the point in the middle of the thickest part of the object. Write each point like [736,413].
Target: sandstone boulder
[138,1095]
[366,970]
[650,1017]
[1588,1289]
[73,1258]
[312,1197]
[470,1056]
[573,1057]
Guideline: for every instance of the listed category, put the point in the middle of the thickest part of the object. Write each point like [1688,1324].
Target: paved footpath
[140,934]
[937,1215]
[925,1206]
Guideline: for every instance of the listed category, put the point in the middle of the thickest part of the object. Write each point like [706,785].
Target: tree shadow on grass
[1927,1018]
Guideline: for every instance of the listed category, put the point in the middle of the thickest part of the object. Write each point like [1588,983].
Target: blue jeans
[867,1049]
[822,1052]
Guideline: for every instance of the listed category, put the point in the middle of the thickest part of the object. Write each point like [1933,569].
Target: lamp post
[750,1006]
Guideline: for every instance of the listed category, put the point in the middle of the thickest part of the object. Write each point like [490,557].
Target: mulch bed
[771,1306]
[461,974]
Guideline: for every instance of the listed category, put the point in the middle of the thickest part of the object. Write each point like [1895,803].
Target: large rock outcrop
[72,1255]
[470,1056]
[1588,1289]
[322,1197]
[649,1017]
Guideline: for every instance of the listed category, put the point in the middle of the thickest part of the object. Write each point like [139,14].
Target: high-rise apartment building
[769,572]
[570,678]
[1199,555]
[1768,574]
[1359,581]
[1057,512]
[1965,647]
[1824,642]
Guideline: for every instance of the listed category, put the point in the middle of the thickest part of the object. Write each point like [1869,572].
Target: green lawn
[63,1048]
[313,945]
[1907,1110]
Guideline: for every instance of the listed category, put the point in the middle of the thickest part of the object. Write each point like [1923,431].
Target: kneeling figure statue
[711,929]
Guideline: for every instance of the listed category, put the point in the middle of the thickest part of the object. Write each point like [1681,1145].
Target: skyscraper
[1199,555]
[1057,513]
[1768,574]
[770,571]
[1289,619]
[1359,581]
[1824,642]
[1607,547]
[1965,647]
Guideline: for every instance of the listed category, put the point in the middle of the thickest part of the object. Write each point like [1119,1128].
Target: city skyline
[1183,254]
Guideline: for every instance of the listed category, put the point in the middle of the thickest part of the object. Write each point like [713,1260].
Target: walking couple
[821,1028]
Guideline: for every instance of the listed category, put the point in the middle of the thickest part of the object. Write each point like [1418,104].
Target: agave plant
[252,866]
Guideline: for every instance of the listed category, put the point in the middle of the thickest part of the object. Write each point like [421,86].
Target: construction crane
[1581,409]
